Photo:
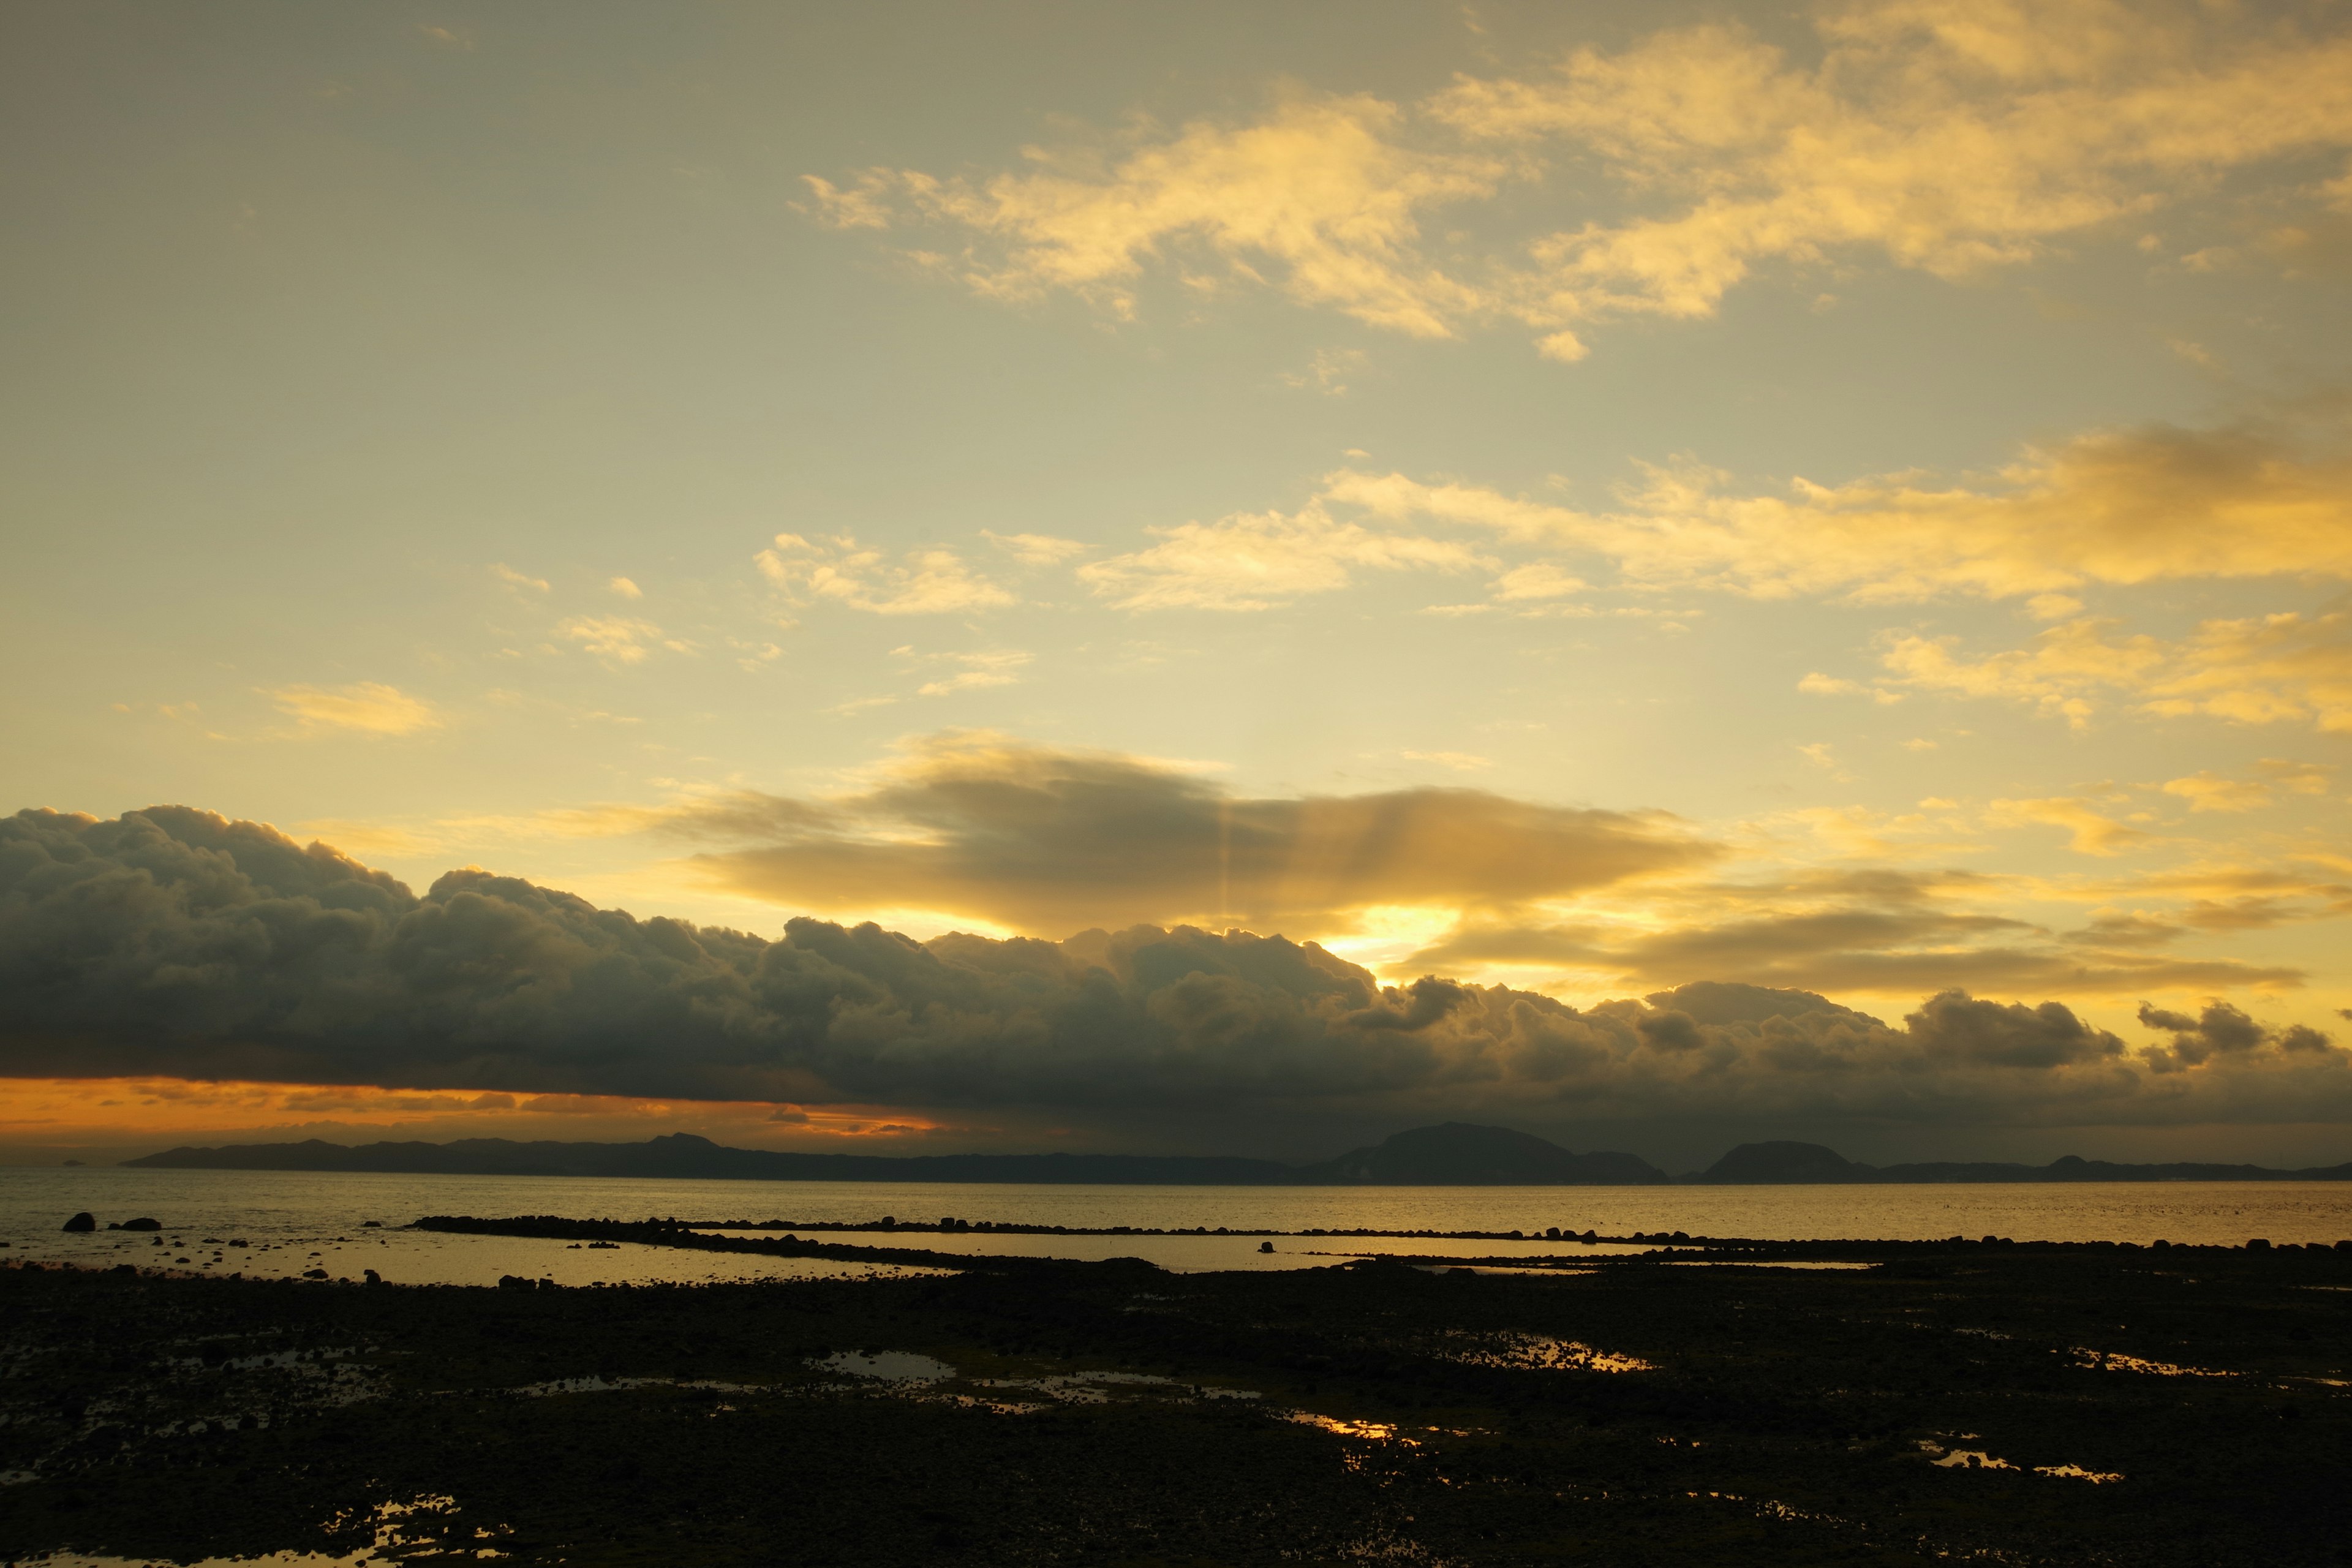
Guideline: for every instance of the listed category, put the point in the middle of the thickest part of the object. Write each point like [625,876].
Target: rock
[314,1274]
[372,1276]
[141,1223]
[81,1221]
[1266,1247]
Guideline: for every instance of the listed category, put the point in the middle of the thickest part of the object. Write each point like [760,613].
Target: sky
[1569,501]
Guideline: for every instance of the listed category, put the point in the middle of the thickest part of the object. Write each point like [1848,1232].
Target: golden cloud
[2120,507]
[1049,842]
[1872,929]
[1256,561]
[367,706]
[2266,670]
[920,583]
[1950,136]
[1319,186]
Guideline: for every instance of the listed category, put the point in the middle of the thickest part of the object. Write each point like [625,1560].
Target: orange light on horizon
[73,1112]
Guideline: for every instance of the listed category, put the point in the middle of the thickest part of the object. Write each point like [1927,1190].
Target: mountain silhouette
[1450,1155]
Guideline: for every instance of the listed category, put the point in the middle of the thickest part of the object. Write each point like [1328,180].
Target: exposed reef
[1706,1403]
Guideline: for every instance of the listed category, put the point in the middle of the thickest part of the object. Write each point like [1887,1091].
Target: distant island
[1454,1156]
[1790,1164]
[1448,1156]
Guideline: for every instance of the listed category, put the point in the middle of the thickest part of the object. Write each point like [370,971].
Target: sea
[281,1225]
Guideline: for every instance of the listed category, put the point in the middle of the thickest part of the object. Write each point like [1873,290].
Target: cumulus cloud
[1949,136]
[1049,841]
[2222,1031]
[367,706]
[172,943]
[919,582]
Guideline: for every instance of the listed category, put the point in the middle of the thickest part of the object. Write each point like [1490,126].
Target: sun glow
[68,1114]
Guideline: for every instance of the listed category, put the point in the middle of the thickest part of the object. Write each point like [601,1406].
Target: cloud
[1034,549]
[980,670]
[625,588]
[1329,372]
[1460,762]
[367,706]
[2224,1031]
[866,204]
[1817,684]
[1537,580]
[1949,136]
[1940,135]
[514,579]
[2090,832]
[983,827]
[1256,561]
[2296,778]
[2206,790]
[170,942]
[1319,191]
[618,639]
[2266,670]
[2136,506]
[1884,931]
[920,583]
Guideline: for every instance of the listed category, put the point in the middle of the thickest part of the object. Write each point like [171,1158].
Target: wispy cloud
[1034,549]
[917,583]
[2267,669]
[2120,507]
[367,707]
[999,667]
[2090,831]
[619,639]
[1256,561]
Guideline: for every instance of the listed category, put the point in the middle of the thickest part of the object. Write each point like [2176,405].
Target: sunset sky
[1577,498]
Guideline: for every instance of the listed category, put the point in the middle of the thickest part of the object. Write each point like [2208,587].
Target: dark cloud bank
[173,941]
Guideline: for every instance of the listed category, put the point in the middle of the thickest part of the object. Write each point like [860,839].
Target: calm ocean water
[291,1222]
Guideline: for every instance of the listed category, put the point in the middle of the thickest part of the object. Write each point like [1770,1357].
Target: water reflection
[275,1207]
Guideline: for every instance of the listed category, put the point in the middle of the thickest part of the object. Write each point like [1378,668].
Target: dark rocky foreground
[1948,1401]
